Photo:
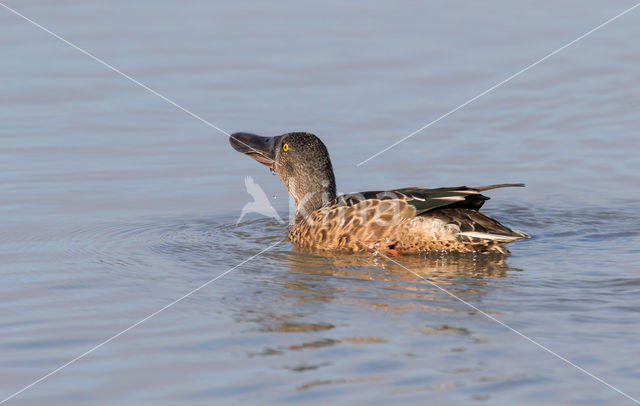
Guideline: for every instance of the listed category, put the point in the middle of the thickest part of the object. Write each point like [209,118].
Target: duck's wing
[425,200]
[462,197]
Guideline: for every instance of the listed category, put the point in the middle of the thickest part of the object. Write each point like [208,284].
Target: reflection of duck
[441,268]
[371,282]
[400,220]
[399,285]
[260,202]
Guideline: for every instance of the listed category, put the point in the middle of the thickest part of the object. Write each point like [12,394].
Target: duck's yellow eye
[285,147]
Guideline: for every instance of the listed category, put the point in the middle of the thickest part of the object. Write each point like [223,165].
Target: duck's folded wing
[425,200]
[462,197]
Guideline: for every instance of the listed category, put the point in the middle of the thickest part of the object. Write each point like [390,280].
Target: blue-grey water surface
[114,203]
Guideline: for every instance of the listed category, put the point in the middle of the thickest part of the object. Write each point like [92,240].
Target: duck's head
[301,161]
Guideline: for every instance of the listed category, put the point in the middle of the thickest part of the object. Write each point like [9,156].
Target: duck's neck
[311,191]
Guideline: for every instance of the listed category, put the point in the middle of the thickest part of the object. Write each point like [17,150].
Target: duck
[399,221]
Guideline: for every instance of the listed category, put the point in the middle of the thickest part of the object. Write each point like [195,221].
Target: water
[115,203]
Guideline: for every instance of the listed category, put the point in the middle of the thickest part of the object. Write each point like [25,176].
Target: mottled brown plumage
[408,220]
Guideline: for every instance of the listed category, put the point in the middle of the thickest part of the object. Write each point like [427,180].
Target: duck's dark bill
[262,149]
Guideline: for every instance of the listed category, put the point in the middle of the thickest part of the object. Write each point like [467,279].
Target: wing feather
[425,200]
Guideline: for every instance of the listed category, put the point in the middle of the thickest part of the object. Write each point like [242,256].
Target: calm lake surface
[114,203]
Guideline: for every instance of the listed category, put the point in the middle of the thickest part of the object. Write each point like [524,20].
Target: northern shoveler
[408,220]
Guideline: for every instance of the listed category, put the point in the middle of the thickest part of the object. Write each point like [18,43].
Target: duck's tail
[477,230]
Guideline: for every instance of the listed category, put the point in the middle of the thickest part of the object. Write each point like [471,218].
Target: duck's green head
[301,161]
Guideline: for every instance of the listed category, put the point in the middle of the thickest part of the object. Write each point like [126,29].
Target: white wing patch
[487,236]
[466,192]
